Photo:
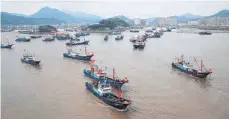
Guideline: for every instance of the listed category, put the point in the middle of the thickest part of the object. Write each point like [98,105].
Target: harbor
[56,88]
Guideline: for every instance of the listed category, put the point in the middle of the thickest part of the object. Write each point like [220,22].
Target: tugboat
[101,75]
[205,33]
[8,45]
[76,55]
[35,36]
[23,39]
[119,37]
[139,44]
[50,38]
[187,68]
[29,59]
[104,93]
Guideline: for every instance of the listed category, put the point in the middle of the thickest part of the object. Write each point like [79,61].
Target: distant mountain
[7,18]
[17,14]
[47,12]
[222,13]
[84,17]
[186,17]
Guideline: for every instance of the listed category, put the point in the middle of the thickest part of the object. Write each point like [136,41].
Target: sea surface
[56,89]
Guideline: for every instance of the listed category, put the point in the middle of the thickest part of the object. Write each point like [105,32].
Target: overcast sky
[131,9]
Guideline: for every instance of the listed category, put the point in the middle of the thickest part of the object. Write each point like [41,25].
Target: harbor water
[56,89]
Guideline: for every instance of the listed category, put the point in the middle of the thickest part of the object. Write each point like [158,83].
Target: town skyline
[105,9]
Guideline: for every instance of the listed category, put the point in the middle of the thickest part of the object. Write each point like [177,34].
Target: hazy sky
[131,9]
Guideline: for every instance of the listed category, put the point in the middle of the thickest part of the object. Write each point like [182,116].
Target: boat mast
[197,64]
[201,65]
[113,74]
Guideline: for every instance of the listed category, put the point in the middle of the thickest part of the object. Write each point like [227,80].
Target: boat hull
[80,43]
[49,39]
[7,46]
[22,40]
[193,72]
[116,105]
[78,57]
[107,80]
[32,62]
[34,37]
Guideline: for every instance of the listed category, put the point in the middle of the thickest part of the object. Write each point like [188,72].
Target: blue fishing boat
[187,68]
[23,39]
[35,36]
[119,37]
[62,37]
[29,59]
[106,37]
[104,93]
[78,56]
[84,34]
[101,75]
[77,43]
[51,38]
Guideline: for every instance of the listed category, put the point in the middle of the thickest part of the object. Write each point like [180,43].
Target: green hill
[109,23]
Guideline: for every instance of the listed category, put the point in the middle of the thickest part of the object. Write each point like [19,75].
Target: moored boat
[119,37]
[6,45]
[23,39]
[104,93]
[205,33]
[99,74]
[113,33]
[76,55]
[50,38]
[139,44]
[106,37]
[29,59]
[134,30]
[187,68]
[35,36]
[77,43]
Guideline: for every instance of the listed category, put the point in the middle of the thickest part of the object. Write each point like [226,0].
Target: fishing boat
[104,93]
[23,39]
[77,43]
[62,36]
[76,55]
[50,38]
[113,33]
[100,74]
[29,59]
[85,34]
[156,35]
[35,36]
[149,31]
[119,37]
[139,44]
[106,37]
[205,33]
[6,45]
[187,68]
[134,30]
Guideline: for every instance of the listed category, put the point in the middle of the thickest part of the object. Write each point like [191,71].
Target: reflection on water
[56,89]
